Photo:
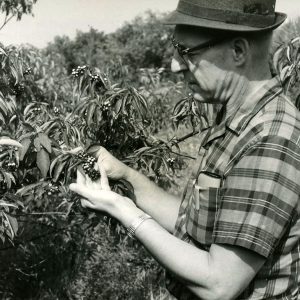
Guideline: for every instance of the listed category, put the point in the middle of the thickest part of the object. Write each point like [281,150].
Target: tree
[15,9]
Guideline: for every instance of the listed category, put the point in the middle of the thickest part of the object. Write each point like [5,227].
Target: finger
[86,204]
[99,153]
[80,177]
[88,182]
[82,190]
[199,98]
[191,66]
[104,180]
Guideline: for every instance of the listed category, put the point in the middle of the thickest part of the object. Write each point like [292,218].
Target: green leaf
[45,141]
[43,162]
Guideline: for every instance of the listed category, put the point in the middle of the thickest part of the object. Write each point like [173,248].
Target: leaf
[58,170]
[90,113]
[13,224]
[3,108]
[2,203]
[7,177]
[28,107]
[285,73]
[118,106]
[277,57]
[37,144]
[24,190]
[10,142]
[22,152]
[45,141]
[43,162]
[54,162]
[2,51]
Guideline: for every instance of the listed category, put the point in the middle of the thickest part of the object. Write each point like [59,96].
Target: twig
[183,138]
[7,19]
[183,155]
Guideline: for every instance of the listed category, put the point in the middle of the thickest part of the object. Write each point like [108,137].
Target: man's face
[205,68]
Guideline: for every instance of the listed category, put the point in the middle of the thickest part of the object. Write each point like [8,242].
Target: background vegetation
[114,90]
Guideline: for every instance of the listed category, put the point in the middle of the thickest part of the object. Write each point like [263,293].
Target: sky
[65,17]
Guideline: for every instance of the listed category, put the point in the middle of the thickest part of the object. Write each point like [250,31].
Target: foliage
[143,43]
[15,9]
[47,118]
[286,58]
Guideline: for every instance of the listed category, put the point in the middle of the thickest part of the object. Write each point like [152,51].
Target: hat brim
[177,18]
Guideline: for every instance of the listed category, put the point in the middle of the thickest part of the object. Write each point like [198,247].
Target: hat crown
[258,7]
[230,15]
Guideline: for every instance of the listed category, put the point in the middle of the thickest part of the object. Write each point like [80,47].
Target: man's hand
[114,168]
[98,196]
[160,205]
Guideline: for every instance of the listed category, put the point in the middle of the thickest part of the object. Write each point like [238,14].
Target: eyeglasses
[183,50]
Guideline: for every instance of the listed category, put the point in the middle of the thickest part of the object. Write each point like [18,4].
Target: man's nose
[177,63]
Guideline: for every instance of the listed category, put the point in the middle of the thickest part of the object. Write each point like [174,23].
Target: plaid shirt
[244,191]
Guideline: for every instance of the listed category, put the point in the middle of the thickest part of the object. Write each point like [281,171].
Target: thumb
[81,190]
[191,65]
[73,187]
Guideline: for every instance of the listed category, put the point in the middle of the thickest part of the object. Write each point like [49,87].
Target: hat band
[233,17]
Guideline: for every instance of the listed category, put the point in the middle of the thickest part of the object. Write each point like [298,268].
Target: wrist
[130,175]
[127,212]
[136,223]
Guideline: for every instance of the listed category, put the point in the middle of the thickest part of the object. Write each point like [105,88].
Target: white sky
[64,17]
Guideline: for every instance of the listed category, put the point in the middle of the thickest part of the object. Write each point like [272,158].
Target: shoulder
[279,119]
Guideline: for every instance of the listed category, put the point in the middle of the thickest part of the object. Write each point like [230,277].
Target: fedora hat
[229,15]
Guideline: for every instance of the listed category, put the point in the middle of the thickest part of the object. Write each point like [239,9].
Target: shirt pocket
[202,208]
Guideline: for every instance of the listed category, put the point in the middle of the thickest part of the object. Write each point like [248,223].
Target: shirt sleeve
[260,195]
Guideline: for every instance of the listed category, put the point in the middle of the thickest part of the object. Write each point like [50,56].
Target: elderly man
[235,234]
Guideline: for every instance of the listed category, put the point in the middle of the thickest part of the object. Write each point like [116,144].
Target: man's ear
[240,50]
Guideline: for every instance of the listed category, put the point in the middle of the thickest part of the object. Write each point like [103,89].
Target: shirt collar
[246,111]
[253,104]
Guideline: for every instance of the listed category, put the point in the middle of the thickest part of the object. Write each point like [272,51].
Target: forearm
[222,273]
[162,206]
[188,263]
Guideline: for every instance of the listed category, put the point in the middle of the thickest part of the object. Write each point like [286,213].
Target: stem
[183,155]
[7,19]
[193,133]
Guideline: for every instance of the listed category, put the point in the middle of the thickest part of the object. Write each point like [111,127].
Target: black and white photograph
[149,150]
